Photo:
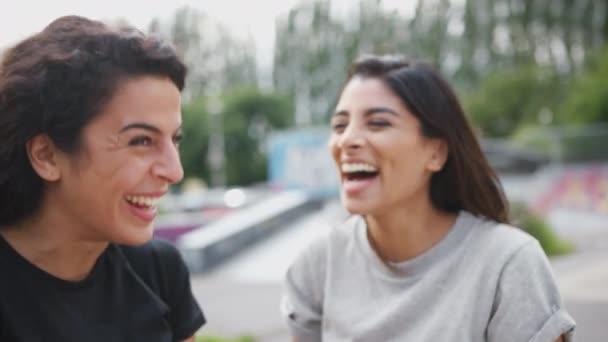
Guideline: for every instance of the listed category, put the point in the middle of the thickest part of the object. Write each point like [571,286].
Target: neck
[48,241]
[402,234]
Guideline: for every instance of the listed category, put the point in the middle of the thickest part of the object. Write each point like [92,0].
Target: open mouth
[143,207]
[359,171]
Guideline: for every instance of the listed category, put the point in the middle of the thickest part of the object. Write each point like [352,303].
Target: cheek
[118,162]
[404,158]
[115,176]
[334,150]
[130,173]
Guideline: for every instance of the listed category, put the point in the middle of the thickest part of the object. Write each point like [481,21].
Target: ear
[43,155]
[439,155]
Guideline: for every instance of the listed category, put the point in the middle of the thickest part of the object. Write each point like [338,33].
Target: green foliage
[249,116]
[509,99]
[587,101]
[539,229]
[313,49]
[538,139]
[193,149]
[468,40]
[578,143]
[507,45]
[223,339]
[580,146]
[212,53]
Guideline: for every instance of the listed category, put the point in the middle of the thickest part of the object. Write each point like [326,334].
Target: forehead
[148,98]
[365,92]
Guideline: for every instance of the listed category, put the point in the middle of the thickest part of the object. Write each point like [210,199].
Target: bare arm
[192,339]
[560,339]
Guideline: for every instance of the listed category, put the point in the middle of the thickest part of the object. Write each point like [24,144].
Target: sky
[243,17]
[25,17]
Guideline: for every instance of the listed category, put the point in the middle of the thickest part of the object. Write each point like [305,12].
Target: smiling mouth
[362,175]
[143,202]
[358,171]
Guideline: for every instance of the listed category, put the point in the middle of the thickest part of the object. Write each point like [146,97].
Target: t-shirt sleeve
[528,306]
[302,301]
[185,316]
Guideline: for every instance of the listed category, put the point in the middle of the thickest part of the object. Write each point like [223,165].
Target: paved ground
[583,276]
[236,308]
[583,281]
[242,297]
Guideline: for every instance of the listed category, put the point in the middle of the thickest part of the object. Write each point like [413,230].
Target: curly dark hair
[57,81]
[467,181]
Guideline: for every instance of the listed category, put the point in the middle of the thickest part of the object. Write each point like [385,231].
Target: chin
[357,207]
[136,236]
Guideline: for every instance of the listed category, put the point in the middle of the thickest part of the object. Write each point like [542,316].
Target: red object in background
[580,188]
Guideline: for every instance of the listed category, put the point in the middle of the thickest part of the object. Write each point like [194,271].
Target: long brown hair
[467,181]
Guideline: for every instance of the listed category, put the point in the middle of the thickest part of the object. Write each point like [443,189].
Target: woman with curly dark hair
[428,254]
[90,122]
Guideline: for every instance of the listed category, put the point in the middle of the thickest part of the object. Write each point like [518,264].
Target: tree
[587,100]
[314,46]
[214,57]
[308,61]
[249,117]
[194,146]
[510,99]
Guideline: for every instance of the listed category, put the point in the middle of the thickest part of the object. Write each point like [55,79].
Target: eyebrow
[145,126]
[368,111]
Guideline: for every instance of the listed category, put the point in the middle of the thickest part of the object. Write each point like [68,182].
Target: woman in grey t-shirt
[428,254]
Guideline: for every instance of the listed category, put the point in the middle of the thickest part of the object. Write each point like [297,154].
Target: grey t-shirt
[483,282]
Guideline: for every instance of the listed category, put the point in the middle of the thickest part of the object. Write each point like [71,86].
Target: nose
[169,167]
[351,138]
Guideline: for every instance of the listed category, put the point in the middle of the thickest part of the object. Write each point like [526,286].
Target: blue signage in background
[300,159]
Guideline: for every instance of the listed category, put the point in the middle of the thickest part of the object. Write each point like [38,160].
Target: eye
[379,123]
[141,140]
[338,127]
[177,139]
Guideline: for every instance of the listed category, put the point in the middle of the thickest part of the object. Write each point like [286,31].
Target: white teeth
[143,201]
[358,167]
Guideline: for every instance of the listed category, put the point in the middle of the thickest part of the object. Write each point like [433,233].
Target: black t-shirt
[132,294]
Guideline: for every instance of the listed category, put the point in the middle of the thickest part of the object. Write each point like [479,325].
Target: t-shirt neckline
[39,274]
[418,265]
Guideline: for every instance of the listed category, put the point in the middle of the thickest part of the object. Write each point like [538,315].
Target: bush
[539,229]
